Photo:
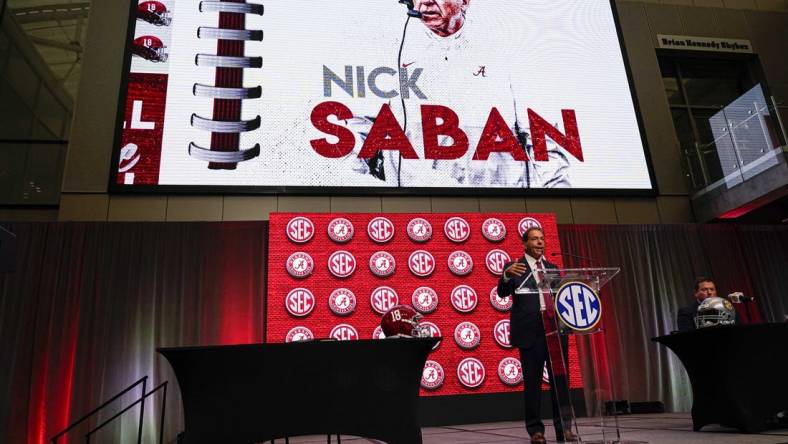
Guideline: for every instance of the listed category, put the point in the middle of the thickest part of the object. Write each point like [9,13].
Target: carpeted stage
[667,428]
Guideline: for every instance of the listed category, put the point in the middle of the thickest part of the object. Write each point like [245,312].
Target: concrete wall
[86,176]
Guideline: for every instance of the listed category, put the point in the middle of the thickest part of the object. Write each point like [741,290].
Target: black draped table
[258,392]
[739,373]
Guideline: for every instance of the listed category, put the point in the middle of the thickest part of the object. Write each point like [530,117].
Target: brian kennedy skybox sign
[704,43]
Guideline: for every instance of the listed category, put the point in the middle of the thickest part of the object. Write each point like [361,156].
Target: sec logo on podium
[578,306]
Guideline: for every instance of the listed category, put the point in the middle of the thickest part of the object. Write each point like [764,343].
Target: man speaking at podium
[528,334]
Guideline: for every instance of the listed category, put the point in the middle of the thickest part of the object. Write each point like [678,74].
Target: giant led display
[335,275]
[359,96]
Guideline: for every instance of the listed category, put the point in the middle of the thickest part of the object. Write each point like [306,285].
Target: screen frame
[115,188]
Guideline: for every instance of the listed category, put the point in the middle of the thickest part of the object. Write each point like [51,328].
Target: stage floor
[665,428]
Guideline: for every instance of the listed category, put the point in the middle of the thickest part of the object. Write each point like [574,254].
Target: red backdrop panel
[363,282]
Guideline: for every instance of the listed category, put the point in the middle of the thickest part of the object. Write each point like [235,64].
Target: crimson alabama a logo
[340,230]
[300,265]
[419,230]
[460,263]
[342,302]
[467,335]
[299,334]
[382,264]
[432,376]
[510,371]
[499,303]
[424,300]
[493,230]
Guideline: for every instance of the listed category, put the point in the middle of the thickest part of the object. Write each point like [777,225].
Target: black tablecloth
[252,393]
[739,374]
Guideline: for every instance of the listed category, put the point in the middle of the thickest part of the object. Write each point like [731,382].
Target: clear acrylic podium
[573,293]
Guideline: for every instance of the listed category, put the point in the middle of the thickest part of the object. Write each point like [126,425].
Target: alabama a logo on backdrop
[340,230]
[432,376]
[424,300]
[578,306]
[300,265]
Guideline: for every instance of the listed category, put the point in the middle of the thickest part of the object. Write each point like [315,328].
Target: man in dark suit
[528,334]
[704,288]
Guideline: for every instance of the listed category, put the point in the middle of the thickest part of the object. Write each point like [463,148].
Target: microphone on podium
[577,256]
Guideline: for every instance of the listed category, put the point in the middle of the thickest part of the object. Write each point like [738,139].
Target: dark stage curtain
[81,316]
[659,264]
[88,304]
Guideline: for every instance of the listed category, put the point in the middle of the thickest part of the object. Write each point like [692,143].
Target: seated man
[704,288]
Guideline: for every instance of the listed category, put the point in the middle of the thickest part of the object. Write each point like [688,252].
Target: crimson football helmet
[149,48]
[154,12]
[403,321]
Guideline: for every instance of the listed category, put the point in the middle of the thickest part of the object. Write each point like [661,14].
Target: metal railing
[747,140]
[141,401]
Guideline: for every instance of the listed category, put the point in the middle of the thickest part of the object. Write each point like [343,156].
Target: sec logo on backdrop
[380,230]
[382,299]
[300,265]
[495,261]
[419,230]
[470,372]
[578,306]
[526,223]
[341,264]
[501,333]
[378,333]
[421,263]
[344,332]
[340,230]
[457,229]
[300,230]
[464,299]
[299,302]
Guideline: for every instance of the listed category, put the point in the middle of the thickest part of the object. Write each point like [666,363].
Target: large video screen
[335,275]
[371,96]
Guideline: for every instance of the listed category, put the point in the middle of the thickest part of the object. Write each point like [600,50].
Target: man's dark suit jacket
[686,317]
[525,319]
